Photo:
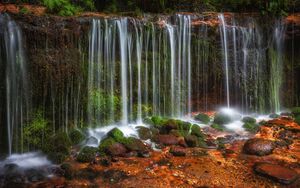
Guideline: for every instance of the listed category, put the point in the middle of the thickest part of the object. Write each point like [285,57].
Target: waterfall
[17,88]
[223,32]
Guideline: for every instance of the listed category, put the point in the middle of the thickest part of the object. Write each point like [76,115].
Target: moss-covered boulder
[134,144]
[203,118]
[57,147]
[274,115]
[76,136]
[296,111]
[249,119]
[251,127]
[218,127]
[105,143]
[222,119]
[116,134]
[196,130]
[87,154]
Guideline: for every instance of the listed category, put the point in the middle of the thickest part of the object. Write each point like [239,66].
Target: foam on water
[27,160]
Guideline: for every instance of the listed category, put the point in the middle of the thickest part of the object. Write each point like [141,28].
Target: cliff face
[58,54]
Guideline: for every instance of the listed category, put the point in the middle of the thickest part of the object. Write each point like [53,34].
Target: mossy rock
[274,115]
[87,154]
[158,121]
[296,111]
[249,119]
[218,127]
[134,144]
[179,133]
[222,119]
[76,136]
[105,143]
[202,118]
[251,127]
[57,147]
[68,170]
[116,134]
[182,125]
[195,130]
[297,119]
[144,133]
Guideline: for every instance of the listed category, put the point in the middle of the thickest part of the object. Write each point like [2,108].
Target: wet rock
[116,150]
[11,168]
[177,151]
[221,119]
[144,154]
[68,170]
[202,118]
[251,127]
[296,111]
[167,140]
[76,136]
[182,142]
[213,144]
[274,116]
[35,175]
[91,141]
[144,133]
[105,161]
[87,154]
[259,146]
[134,144]
[276,172]
[191,140]
[218,127]
[249,119]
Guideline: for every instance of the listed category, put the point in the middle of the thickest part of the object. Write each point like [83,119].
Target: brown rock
[168,139]
[117,149]
[177,151]
[259,146]
[276,172]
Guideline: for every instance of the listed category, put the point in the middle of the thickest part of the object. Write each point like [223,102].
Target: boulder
[144,133]
[203,118]
[35,175]
[87,154]
[222,118]
[177,151]
[116,150]
[167,140]
[76,136]
[276,172]
[91,141]
[258,146]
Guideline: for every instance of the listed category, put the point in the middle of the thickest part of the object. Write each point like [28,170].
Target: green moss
[222,119]
[158,121]
[203,118]
[116,134]
[296,111]
[76,136]
[249,120]
[105,143]
[57,147]
[197,131]
[68,170]
[182,125]
[87,154]
[218,127]
[251,127]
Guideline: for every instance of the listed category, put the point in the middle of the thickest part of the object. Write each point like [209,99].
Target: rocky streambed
[181,155]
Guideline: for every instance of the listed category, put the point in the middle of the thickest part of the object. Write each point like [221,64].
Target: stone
[35,175]
[87,154]
[258,146]
[68,170]
[276,172]
[134,144]
[177,151]
[167,140]
[76,136]
[202,118]
[92,141]
[191,140]
[144,133]
[221,119]
[116,150]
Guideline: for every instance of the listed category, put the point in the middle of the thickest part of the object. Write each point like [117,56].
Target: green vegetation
[296,111]
[251,127]
[218,127]
[57,147]
[68,7]
[76,136]
[249,120]
[203,118]
[297,119]
[221,119]
[87,154]
[36,131]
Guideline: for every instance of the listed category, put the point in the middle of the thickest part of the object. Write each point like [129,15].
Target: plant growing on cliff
[68,7]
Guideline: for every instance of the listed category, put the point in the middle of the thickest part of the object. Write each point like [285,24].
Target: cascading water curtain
[138,69]
[17,88]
